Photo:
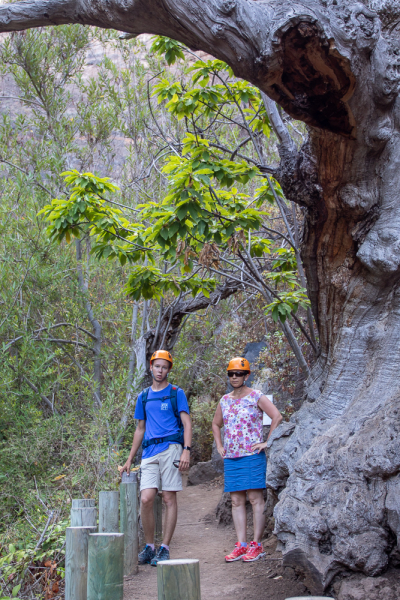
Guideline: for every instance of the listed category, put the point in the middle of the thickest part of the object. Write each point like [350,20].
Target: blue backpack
[176,437]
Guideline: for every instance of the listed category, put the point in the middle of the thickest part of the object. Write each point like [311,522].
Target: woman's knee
[238,499]
[256,497]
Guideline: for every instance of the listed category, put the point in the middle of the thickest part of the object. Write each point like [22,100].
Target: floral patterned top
[243,421]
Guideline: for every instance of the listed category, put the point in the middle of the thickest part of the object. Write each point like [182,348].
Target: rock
[201,473]
[357,587]
[252,352]
[216,460]
[270,502]
[224,509]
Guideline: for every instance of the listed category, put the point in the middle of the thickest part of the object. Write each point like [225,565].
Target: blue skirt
[245,473]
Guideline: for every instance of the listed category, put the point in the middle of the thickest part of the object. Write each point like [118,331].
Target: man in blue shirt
[165,432]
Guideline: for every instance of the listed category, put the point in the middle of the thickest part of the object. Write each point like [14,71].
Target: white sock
[151,546]
[165,546]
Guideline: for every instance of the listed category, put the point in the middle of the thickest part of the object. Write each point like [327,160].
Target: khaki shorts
[160,469]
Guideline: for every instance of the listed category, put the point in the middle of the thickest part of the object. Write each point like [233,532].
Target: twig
[38,495]
[60,341]
[25,173]
[17,294]
[35,389]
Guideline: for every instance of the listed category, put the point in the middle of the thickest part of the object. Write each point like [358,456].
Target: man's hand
[126,467]
[184,462]
[221,451]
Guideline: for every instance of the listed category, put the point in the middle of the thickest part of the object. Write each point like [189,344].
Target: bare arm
[275,416]
[137,440]
[187,440]
[217,424]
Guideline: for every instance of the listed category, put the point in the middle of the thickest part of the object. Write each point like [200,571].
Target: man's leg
[171,515]
[147,513]
[171,484]
[239,515]
[256,499]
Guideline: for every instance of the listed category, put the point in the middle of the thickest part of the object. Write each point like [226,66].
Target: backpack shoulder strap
[174,402]
[145,395]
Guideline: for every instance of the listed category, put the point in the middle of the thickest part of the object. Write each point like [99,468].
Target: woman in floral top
[241,413]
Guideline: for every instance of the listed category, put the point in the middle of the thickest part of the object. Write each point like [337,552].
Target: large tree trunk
[335,65]
[339,457]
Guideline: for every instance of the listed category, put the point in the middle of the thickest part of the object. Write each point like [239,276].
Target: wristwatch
[187,448]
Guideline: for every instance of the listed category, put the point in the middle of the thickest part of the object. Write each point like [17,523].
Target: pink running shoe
[254,552]
[237,553]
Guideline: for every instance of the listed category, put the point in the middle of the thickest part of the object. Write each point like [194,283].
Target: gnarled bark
[335,65]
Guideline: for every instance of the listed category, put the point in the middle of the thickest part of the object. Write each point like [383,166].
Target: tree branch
[35,389]
[278,125]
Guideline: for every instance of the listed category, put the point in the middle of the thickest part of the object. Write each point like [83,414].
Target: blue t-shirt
[160,417]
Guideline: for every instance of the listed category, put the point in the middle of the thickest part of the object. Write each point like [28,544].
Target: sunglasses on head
[236,373]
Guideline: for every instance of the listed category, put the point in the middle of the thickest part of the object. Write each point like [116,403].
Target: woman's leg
[239,515]
[256,499]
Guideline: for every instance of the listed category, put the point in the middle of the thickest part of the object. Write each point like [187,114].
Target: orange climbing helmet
[239,363]
[162,354]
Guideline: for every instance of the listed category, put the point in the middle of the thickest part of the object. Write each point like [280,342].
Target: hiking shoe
[237,553]
[254,552]
[162,554]
[146,555]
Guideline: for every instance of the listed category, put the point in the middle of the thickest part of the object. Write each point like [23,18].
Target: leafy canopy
[207,214]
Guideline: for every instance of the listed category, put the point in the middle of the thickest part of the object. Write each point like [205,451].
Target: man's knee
[147,498]
[169,498]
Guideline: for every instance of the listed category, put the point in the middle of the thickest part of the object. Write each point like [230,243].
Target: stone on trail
[385,587]
[202,472]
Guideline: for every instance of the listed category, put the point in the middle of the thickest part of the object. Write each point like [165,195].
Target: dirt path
[199,536]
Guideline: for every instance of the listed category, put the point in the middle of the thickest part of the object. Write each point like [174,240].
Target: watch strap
[187,448]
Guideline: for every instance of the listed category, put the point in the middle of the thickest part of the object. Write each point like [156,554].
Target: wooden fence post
[129,521]
[76,562]
[83,513]
[109,512]
[83,503]
[105,579]
[178,579]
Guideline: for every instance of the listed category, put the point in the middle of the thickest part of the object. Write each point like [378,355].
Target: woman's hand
[260,446]
[221,451]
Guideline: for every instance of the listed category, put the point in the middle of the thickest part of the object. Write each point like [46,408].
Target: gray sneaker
[162,554]
[146,555]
